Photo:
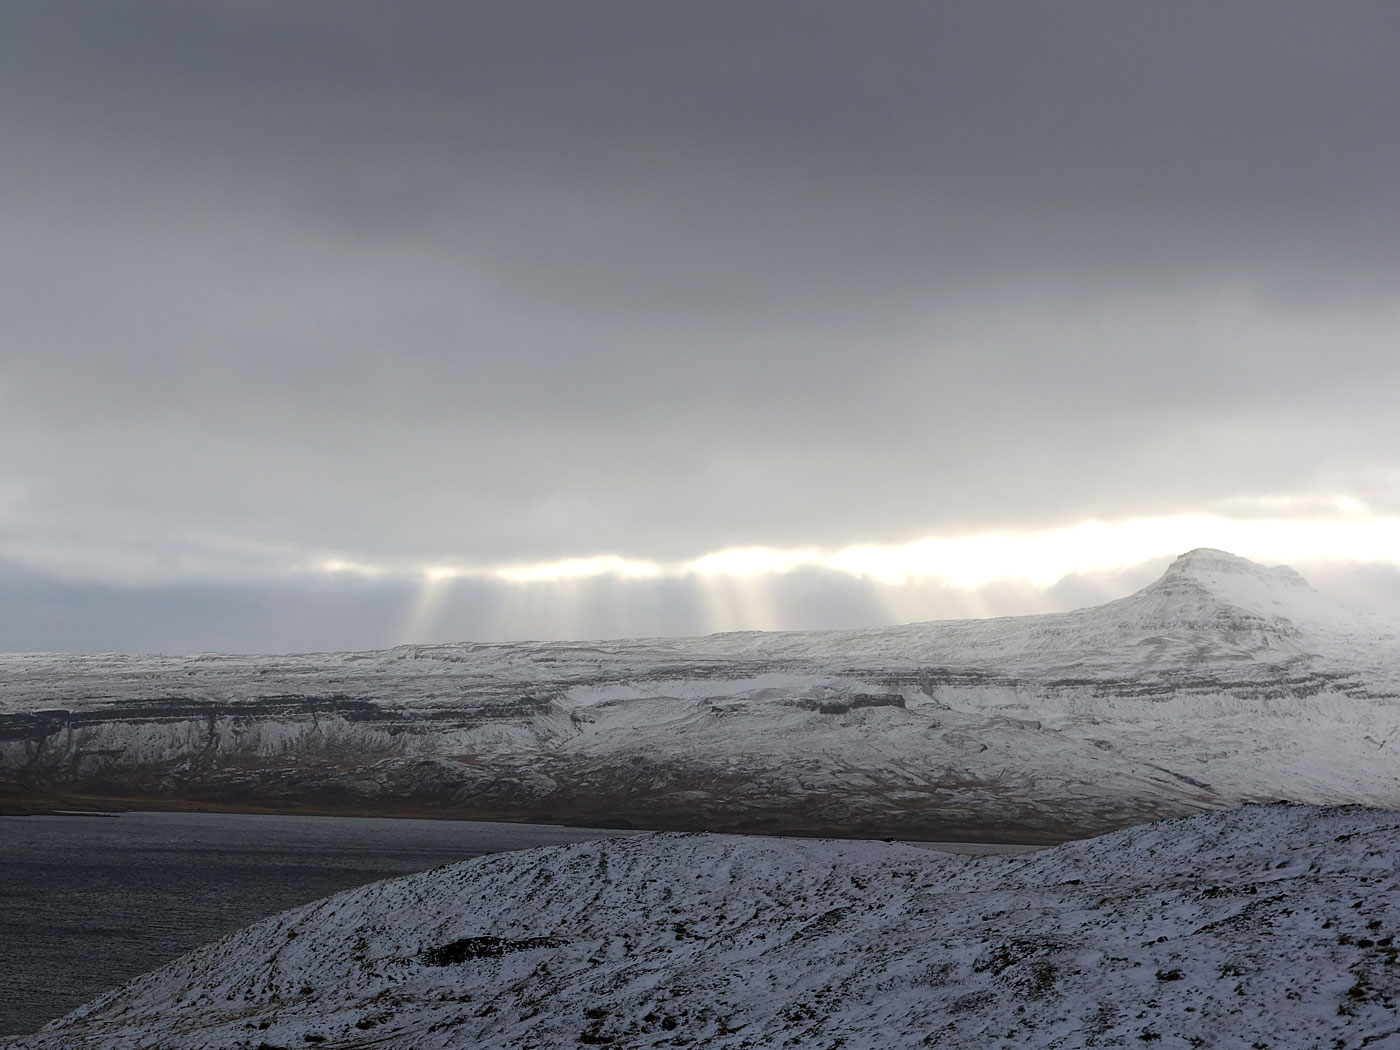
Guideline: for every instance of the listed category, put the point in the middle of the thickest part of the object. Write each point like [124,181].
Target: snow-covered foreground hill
[1222,682]
[1265,926]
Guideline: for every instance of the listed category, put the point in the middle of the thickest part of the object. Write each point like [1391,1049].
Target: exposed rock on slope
[1264,926]
[1224,681]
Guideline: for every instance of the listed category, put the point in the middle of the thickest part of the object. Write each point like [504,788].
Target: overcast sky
[343,324]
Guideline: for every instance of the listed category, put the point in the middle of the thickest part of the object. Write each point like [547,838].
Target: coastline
[27,804]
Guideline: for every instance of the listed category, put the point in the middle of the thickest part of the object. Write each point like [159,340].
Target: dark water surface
[88,902]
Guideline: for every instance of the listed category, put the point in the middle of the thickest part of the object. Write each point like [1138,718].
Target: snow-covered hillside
[1224,681]
[1267,926]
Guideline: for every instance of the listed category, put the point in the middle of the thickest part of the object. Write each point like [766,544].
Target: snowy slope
[1224,681]
[1267,926]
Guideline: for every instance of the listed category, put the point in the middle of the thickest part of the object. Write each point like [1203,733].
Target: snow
[1260,926]
[1220,683]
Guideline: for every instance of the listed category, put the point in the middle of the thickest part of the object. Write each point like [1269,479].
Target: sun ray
[930,578]
[427,606]
[739,603]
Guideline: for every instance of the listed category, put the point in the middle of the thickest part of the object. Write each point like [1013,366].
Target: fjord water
[88,902]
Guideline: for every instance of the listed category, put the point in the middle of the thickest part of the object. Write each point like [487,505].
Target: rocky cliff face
[1223,681]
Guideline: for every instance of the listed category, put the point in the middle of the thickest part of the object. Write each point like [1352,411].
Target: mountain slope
[1264,926]
[1223,681]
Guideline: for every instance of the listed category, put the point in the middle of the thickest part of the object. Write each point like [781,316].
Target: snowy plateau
[1223,682]
[1268,926]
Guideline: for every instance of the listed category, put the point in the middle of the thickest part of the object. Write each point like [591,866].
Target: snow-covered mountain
[1266,926]
[1224,681]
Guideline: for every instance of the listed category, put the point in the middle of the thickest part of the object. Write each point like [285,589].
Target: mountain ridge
[1223,681]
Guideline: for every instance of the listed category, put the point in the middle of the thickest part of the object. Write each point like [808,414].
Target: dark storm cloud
[920,121]
[515,280]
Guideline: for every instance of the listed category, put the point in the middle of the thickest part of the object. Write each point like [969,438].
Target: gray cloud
[501,280]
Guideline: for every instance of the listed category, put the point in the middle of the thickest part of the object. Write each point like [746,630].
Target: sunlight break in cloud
[578,569]
[1039,558]
[737,587]
[1045,557]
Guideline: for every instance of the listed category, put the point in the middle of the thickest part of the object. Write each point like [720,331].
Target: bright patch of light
[914,581]
[578,569]
[1037,558]
[750,561]
[344,566]
[1043,558]
[439,573]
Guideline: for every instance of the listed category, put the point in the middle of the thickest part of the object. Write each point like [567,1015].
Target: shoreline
[33,804]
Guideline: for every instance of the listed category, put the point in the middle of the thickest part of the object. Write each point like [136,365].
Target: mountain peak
[1206,565]
[1216,592]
